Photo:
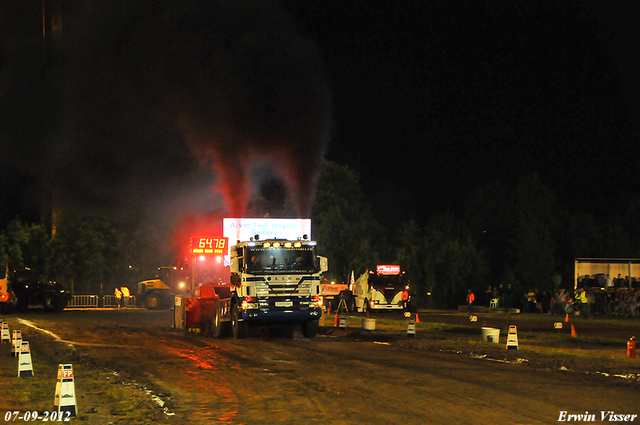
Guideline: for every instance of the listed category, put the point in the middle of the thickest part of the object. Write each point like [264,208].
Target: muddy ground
[132,367]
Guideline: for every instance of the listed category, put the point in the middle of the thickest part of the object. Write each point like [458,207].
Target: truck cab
[276,281]
[380,289]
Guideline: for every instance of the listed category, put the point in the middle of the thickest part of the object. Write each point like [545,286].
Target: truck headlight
[316,302]
[249,303]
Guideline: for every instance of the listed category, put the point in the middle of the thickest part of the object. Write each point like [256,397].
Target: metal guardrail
[92,301]
[84,301]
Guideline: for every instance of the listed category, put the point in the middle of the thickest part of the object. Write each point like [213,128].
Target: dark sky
[428,100]
[436,98]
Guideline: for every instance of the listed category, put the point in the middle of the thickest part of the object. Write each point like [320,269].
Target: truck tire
[53,302]
[216,324]
[239,329]
[153,301]
[310,329]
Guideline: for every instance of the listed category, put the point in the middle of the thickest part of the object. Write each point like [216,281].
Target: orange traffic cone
[336,321]
[573,331]
[566,319]
[417,318]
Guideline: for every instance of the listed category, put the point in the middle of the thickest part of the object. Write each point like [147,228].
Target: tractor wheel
[216,324]
[153,302]
[53,302]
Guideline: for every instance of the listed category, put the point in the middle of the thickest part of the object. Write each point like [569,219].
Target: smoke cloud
[164,107]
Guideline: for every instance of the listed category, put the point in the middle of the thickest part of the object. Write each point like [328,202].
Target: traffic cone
[417,318]
[25,368]
[6,338]
[65,397]
[566,319]
[573,332]
[411,327]
[512,338]
[15,342]
[335,323]
[342,323]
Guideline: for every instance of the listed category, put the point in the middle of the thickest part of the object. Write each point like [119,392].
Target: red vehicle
[274,282]
[21,288]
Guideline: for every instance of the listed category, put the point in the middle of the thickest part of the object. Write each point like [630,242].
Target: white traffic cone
[342,323]
[411,328]
[25,367]
[65,398]
[512,338]
[6,338]
[15,342]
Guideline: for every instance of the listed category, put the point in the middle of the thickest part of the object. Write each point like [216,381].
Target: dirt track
[348,376]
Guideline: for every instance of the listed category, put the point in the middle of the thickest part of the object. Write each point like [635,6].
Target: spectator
[508,297]
[583,299]
[125,296]
[531,301]
[569,307]
[488,295]
[470,299]
[496,295]
[118,295]
[609,281]
[562,298]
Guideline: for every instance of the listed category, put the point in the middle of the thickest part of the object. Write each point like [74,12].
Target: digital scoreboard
[387,269]
[208,245]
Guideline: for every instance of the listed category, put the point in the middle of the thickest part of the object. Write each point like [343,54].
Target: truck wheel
[152,301]
[238,329]
[310,329]
[53,302]
[216,325]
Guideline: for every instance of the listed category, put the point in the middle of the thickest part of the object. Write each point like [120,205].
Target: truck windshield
[387,280]
[282,260]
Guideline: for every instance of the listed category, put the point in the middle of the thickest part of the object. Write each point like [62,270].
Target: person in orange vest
[125,296]
[405,298]
[118,296]
[470,299]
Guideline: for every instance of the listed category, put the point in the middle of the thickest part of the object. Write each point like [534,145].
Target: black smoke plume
[162,107]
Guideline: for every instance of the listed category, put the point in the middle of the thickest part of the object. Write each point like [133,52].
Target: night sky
[435,99]
[147,104]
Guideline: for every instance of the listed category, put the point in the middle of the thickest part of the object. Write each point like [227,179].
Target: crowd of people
[617,297]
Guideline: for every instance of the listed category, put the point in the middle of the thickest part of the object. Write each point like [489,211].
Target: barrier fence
[93,301]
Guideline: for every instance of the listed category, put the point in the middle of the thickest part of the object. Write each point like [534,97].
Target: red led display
[207,245]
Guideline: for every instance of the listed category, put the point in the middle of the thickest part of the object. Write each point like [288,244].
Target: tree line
[516,234]
[507,234]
